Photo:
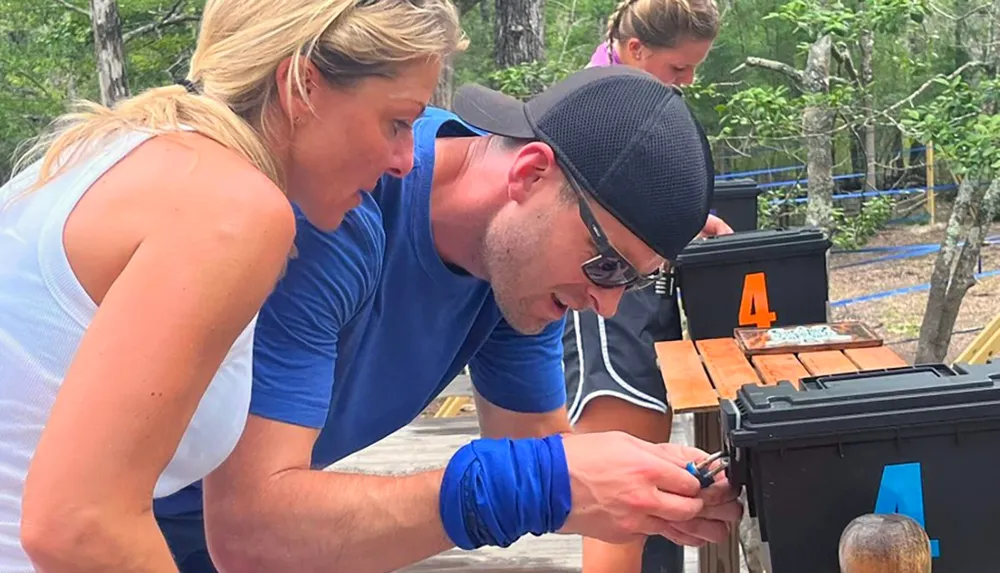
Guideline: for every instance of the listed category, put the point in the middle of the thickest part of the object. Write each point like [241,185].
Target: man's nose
[605,300]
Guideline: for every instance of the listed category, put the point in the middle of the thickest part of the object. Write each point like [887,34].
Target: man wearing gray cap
[513,213]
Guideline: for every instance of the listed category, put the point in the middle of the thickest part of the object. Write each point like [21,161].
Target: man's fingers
[730,512]
[655,526]
[671,532]
[705,529]
[714,226]
[720,492]
[670,507]
[672,478]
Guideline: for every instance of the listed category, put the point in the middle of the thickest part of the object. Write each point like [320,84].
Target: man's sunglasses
[609,269]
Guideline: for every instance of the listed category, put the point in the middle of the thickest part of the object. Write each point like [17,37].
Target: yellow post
[452,406]
[984,346]
[930,179]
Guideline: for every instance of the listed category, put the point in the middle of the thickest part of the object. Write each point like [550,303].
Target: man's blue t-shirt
[369,325]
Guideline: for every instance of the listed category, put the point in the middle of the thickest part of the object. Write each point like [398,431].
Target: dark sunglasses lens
[609,273]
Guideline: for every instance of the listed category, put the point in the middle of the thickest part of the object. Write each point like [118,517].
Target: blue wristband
[496,491]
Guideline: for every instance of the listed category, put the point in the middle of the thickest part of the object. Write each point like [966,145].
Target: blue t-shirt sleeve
[298,328]
[519,372]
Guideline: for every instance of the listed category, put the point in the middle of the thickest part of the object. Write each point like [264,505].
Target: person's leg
[660,555]
[613,383]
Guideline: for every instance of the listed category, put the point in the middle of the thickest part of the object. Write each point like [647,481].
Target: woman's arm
[162,330]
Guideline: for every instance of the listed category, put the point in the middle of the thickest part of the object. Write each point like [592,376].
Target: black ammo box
[735,202]
[916,440]
[761,278]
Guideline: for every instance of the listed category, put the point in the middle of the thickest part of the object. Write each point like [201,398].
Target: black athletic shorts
[615,356]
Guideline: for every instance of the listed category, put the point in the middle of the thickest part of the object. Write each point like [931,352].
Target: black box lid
[754,245]
[871,400]
[736,188]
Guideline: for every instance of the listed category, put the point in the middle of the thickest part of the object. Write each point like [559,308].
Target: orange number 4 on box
[754,308]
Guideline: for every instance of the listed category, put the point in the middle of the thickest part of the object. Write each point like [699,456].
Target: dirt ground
[897,318]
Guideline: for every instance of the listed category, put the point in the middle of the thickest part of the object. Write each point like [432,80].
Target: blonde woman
[138,243]
[612,378]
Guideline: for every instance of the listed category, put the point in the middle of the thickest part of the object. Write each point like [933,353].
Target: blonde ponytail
[78,133]
[233,69]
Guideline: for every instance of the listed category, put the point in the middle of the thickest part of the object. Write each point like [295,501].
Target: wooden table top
[698,374]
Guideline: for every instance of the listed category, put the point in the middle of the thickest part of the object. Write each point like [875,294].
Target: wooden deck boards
[428,443]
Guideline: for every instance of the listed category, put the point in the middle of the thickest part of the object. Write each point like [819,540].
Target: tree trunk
[519,32]
[960,36]
[953,274]
[868,103]
[817,125]
[442,97]
[110,50]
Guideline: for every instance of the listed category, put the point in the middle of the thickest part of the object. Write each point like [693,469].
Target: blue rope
[858,195]
[904,290]
[735,174]
[740,174]
[909,253]
[906,252]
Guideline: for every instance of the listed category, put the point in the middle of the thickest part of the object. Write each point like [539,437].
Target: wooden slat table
[697,374]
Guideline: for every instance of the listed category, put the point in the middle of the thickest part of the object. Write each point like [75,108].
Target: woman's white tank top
[44,312]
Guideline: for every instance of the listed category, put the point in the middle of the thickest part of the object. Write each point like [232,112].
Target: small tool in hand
[701,470]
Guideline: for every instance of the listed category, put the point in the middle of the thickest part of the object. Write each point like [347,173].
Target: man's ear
[294,104]
[533,164]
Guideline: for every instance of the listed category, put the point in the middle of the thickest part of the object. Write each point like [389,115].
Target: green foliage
[851,231]
[816,18]
[893,16]
[47,59]
[761,112]
[40,67]
[854,231]
[776,210]
[525,80]
[964,124]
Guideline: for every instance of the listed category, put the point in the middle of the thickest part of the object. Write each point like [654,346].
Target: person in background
[138,243]
[612,378]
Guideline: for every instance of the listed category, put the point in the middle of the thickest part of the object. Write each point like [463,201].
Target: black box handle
[825,381]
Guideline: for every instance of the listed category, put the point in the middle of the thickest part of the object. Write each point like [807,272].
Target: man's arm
[497,422]
[518,383]
[267,511]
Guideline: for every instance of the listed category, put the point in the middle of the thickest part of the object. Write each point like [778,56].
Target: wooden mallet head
[884,543]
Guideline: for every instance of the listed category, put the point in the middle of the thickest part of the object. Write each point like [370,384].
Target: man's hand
[722,506]
[625,489]
[714,227]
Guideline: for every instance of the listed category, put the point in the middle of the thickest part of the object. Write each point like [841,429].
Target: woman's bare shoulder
[192,176]
[184,191]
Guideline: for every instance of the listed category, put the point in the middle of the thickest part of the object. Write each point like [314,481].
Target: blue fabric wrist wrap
[495,491]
